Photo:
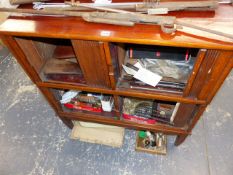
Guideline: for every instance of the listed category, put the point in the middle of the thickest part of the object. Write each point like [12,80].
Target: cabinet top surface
[76,28]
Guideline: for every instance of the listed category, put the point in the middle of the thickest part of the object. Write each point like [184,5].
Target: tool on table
[17,2]
[152,6]
[78,4]
[123,5]
[148,6]
[169,24]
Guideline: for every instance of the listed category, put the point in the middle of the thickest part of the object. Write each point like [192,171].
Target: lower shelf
[105,119]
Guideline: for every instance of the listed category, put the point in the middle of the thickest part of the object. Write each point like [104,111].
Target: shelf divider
[129,93]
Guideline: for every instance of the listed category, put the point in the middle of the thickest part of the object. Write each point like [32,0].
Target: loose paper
[129,70]
[66,97]
[105,33]
[147,77]
[138,65]
[102,1]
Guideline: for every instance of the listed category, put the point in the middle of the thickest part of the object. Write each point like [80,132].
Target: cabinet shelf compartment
[149,111]
[174,65]
[53,59]
[82,102]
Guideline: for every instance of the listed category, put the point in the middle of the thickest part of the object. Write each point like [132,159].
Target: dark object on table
[17,2]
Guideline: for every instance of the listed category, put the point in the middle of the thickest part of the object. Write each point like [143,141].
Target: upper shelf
[76,28]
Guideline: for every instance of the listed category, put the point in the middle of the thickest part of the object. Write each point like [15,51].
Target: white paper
[157,11]
[147,77]
[102,1]
[138,65]
[129,70]
[66,97]
[105,33]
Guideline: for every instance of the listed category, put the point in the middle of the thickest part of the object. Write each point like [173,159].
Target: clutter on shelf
[87,101]
[149,111]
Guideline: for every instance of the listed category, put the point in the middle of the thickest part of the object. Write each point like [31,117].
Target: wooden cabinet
[66,53]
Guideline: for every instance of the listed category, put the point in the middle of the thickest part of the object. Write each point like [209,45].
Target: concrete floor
[34,142]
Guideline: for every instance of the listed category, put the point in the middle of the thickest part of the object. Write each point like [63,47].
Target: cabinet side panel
[32,54]
[200,58]
[210,74]
[215,74]
[184,114]
[91,57]
[204,72]
[18,53]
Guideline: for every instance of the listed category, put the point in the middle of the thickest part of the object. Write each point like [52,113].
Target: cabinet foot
[67,122]
[180,139]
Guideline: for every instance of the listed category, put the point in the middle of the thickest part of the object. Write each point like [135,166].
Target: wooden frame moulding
[112,77]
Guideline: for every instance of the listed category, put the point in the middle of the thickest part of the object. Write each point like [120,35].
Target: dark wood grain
[91,57]
[203,73]
[18,53]
[29,48]
[183,114]
[64,52]
[193,75]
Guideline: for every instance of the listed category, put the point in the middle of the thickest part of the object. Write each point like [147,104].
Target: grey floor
[34,142]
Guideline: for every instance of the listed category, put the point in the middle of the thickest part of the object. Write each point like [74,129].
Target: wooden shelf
[123,92]
[95,117]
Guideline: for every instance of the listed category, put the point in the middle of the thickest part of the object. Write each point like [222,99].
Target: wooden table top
[76,28]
